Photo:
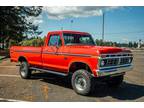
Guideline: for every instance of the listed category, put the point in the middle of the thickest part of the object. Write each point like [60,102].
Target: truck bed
[32,54]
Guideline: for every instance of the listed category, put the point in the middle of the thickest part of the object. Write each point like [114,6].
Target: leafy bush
[33,42]
[12,43]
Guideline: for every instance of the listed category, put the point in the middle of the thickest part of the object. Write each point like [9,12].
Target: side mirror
[57,46]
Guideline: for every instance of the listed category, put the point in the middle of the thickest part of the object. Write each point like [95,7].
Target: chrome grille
[116,59]
[126,60]
[111,62]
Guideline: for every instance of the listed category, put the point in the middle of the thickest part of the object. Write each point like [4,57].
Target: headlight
[102,63]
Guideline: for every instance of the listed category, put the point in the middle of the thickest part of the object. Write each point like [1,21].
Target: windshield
[72,39]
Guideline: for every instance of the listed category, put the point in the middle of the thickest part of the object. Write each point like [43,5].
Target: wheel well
[79,65]
[22,59]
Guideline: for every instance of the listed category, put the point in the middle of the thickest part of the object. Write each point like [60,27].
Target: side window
[69,39]
[84,40]
[55,40]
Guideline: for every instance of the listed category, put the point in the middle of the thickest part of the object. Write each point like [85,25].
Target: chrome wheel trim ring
[80,83]
[23,70]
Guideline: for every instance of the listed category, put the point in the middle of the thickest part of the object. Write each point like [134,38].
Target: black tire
[24,70]
[82,82]
[115,82]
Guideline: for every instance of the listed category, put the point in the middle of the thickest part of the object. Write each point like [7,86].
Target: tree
[15,24]
[130,44]
[110,43]
[135,44]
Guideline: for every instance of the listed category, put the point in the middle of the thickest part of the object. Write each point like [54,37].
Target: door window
[55,40]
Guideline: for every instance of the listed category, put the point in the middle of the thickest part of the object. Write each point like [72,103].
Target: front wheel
[24,71]
[82,82]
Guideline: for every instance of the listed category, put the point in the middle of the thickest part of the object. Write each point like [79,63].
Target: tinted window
[55,40]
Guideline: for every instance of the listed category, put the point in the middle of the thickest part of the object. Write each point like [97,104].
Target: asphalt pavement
[45,87]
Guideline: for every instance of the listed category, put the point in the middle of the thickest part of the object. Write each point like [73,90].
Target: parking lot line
[6,75]
[8,66]
[10,100]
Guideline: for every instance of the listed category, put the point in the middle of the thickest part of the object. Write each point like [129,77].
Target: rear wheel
[24,70]
[115,82]
[82,82]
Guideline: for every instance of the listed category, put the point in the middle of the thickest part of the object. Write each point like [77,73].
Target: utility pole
[103,21]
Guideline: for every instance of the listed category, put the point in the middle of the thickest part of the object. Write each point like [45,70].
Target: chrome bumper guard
[115,70]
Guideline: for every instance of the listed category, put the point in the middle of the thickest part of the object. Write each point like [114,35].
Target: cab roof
[69,31]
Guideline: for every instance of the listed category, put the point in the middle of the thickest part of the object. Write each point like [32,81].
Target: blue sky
[122,24]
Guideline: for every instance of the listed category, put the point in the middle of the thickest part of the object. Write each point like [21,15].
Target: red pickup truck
[75,54]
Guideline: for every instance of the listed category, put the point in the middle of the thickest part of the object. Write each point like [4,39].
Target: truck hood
[105,49]
[96,50]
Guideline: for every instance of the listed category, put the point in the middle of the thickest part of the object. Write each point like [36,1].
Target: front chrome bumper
[115,70]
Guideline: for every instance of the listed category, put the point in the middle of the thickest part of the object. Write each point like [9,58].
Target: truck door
[51,58]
